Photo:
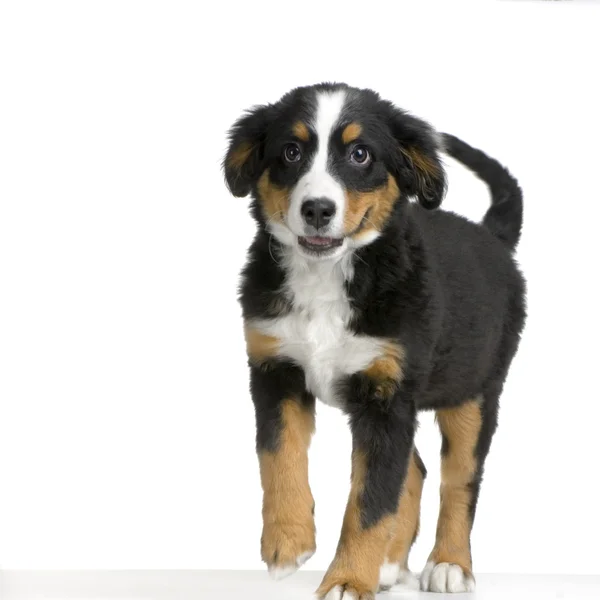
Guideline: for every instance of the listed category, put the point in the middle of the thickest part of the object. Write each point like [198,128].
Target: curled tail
[504,218]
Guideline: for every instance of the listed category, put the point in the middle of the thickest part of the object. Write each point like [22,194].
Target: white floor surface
[237,585]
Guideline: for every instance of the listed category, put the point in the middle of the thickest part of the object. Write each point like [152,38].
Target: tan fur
[351,132]
[461,427]
[426,169]
[378,202]
[274,200]
[300,130]
[259,346]
[360,551]
[407,516]
[239,156]
[288,523]
[387,370]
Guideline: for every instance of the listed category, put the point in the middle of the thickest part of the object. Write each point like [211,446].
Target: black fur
[505,216]
[446,289]
[390,133]
[270,385]
[382,431]
[420,463]
[251,129]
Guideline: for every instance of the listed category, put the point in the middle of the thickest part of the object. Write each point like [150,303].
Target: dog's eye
[292,153]
[360,155]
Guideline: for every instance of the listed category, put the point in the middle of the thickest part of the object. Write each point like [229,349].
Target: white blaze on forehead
[329,109]
[318,182]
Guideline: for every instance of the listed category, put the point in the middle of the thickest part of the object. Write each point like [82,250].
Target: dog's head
[327,164]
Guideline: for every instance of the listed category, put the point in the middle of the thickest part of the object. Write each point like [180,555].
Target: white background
[126,427]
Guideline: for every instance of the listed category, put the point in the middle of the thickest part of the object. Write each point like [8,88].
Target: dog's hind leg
[467,431]
[395,568]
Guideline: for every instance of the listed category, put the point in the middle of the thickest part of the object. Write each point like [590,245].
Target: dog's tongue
[319,241]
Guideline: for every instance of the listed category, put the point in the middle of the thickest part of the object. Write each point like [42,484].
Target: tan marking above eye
[300,130]
[351,132]
[275,201]
[379,202]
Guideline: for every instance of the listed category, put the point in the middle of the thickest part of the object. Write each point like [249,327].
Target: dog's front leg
[285,423]
[382,421]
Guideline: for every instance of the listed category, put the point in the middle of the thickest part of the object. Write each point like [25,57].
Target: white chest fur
[315,333]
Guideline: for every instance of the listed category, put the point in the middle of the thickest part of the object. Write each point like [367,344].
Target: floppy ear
[418,163]
[242,163]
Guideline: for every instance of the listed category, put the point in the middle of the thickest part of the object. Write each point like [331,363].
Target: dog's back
[482,292]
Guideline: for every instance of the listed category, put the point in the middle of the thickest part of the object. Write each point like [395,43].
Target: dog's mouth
[320,245]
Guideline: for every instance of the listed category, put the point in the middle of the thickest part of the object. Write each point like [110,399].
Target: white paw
[278,572]
[407,579]
[391,574]
[338,593]
[388,574]
[445,577]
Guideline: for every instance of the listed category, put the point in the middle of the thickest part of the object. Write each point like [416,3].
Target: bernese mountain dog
[358,292]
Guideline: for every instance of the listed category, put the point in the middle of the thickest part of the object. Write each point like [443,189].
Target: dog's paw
[282,570]
[407,579]
[391,574]
[285,548]
[446,577]
[388,574]
[346,592]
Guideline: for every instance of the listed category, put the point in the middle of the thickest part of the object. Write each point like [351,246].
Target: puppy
[381,307]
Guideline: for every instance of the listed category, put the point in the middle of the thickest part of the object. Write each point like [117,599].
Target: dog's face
[327,165]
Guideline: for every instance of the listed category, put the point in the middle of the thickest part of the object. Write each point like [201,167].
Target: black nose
[317,211]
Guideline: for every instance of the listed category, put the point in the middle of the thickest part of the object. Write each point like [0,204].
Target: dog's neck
[318,285]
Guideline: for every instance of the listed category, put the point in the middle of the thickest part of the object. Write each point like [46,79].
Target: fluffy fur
[387,309]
